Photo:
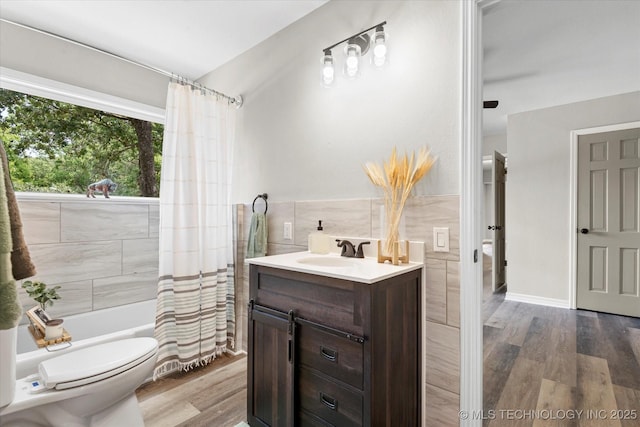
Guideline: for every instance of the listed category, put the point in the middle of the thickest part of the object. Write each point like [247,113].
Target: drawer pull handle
[329,354]
[328,401]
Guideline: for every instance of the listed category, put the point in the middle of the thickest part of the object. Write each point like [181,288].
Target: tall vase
[392,246]
[8,347]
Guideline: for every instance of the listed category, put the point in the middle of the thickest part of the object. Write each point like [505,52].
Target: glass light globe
[352,63]
[328,74]
[380,48]
[328,71]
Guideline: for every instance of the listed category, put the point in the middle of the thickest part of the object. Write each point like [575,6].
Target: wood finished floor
[211,396]
[553,360]
[535,358]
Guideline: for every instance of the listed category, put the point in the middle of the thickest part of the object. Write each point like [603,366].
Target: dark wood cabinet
[272,369]
[333,352]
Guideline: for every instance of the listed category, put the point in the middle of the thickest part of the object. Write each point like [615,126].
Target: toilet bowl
[94,386]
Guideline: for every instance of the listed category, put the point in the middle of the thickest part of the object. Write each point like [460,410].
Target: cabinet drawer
[329,301]
[310,420]
[329,401]
[336,356]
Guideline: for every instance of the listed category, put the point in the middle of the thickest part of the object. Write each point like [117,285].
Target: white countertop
[364,270]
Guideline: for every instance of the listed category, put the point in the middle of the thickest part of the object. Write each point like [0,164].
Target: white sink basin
[326,261]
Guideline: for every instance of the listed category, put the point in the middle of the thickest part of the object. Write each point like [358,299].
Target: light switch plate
[441,239]
[288,231]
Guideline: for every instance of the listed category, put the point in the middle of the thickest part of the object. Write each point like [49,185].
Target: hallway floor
[558,362]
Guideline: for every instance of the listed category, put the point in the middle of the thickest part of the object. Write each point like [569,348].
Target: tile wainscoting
[441,296]
[103,252]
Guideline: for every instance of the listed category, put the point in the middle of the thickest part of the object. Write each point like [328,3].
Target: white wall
[537,206]
[491,143]
[35,53]
[299,141]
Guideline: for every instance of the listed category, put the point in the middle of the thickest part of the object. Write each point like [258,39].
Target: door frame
[573,197]
[471,224]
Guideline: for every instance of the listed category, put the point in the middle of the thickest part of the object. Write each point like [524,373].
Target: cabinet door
[270,369]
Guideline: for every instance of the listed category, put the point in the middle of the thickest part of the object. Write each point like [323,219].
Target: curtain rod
[183,80]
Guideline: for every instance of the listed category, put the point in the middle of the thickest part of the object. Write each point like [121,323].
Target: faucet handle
[348,250]
[359,252]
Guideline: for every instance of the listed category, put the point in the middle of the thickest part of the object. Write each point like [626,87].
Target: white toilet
[93,386]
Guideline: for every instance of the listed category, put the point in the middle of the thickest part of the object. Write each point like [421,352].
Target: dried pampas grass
[397,178]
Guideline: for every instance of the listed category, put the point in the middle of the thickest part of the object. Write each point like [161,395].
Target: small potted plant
[50,328]
[40,293]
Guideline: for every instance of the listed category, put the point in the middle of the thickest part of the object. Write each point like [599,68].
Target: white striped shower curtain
[195,315]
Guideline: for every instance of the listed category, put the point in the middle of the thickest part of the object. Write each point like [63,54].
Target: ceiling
[536,53]
[543,53]
[186,37]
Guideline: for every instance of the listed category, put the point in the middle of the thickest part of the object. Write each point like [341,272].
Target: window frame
[30,84]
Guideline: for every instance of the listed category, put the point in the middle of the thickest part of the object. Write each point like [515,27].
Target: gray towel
[257,244]
[10,309]
[20,257]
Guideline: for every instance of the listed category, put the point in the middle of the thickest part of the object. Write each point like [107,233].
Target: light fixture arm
[353,36]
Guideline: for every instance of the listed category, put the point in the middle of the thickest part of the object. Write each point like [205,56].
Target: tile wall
[103,252]
[441,296]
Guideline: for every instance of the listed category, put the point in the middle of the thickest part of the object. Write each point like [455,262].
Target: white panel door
[609,222]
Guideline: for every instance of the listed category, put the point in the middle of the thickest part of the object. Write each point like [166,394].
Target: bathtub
[95,327]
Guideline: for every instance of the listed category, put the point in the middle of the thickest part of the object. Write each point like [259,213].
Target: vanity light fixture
[356,47]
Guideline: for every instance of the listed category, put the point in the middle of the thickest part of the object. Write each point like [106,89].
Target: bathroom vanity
[333,341]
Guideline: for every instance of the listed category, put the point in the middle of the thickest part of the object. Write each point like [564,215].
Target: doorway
[493,244]
[509,78]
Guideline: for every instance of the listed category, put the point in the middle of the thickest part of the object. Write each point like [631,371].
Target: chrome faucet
[348,250]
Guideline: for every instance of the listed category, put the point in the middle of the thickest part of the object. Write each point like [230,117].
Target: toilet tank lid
[95,360]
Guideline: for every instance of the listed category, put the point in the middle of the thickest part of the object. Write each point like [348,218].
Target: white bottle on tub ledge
[319,243]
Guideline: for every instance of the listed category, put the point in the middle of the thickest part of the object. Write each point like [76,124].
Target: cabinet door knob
[329,354]
[328,401]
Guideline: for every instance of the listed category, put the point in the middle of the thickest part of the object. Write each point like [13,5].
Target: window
[62,147]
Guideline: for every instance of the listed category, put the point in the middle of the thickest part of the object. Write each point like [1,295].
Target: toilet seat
[91,364]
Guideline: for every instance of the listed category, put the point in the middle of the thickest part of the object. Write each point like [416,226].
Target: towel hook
[264,197]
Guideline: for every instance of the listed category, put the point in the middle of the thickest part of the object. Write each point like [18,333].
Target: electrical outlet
[288,231]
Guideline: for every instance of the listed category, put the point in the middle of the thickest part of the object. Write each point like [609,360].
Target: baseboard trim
[532,299]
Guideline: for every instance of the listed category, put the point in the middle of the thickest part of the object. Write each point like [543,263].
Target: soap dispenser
[319,243]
